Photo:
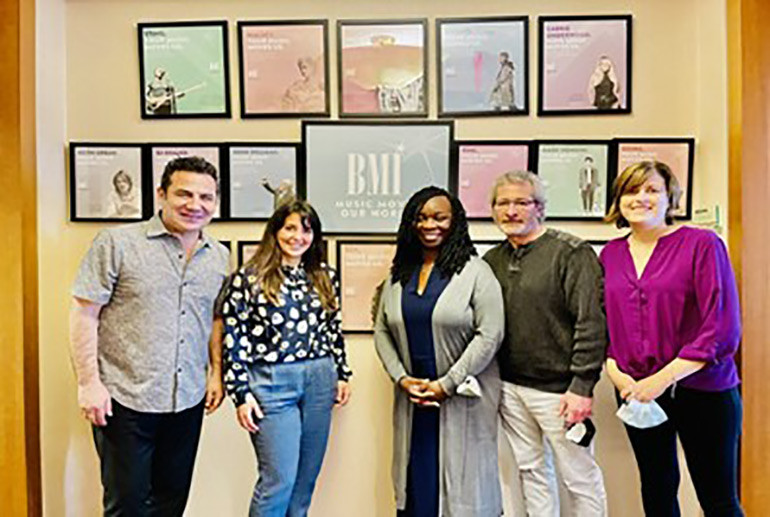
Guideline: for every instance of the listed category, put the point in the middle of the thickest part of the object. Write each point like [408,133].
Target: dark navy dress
[422,480]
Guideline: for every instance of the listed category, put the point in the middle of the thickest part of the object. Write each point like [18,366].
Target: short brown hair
[632,178]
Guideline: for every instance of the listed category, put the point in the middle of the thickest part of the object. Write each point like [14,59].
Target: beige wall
[88,89]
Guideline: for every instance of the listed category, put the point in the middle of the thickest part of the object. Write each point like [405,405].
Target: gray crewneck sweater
[555,328]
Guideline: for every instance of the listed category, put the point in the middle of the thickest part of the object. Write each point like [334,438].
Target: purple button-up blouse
[685,304]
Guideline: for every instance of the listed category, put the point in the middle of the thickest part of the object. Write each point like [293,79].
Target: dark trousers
[147,460]
[708,425]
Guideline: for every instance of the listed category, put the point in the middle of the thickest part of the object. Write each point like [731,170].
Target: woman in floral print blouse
[284,357]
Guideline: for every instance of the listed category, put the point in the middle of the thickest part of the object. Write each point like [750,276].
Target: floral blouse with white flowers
[297,330]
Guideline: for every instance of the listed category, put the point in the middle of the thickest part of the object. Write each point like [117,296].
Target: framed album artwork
[106,182]
[161,154]
[483,66]
[183,70]
[246,250]
[260,176]
[584,65]
[576,176]
[677,153]
[479,163]
[362,266]
[359,175]
[382,68]
[284,68]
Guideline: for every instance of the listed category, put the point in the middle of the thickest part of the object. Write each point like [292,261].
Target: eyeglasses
[518,204]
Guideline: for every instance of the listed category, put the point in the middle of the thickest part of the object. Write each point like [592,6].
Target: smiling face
[294,238]
[515,210]
[646,205]
[189,201]
[433,222]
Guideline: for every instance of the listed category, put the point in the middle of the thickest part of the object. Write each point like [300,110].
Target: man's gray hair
[527,177]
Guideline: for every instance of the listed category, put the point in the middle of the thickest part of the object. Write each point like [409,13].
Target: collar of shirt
[294,273]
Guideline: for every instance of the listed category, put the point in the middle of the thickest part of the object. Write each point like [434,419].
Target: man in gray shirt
[553,349]
[140,329]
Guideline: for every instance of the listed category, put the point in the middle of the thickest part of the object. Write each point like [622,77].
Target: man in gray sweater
[553,349]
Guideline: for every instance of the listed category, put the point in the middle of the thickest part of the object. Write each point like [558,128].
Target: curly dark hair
[455,252]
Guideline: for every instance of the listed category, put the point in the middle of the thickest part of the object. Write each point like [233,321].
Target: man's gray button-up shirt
[157,313]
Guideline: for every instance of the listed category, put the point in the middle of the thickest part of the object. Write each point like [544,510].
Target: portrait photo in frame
[479,163]
[359,175]
[677,153]
[362,265]
[183,70]
[381,68]
[246,250]
[161,154]
[284,68]
[107,182]
[483,66]
[584,65]
[260,175]
[576,176]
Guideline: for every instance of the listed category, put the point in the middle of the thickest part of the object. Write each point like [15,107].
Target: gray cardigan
[468,325]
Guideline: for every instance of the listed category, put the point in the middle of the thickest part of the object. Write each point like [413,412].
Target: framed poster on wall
[483,66]
[359,175]
[576,174]
[677,153]
[161,154]
[362,265]
[183,70]
[246,250]
[479,163]
[382,68]
[584,65]
[260,176]
[106,182]
[284,68]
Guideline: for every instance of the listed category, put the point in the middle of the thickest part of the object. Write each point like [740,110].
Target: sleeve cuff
[239,395]
[582,386]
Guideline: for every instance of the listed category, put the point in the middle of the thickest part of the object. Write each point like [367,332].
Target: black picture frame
[246,113]
[471,206]
[443,22]
[354,127]
[341,271]
[227,181]
[149,114]
[103,150]
[605,176]
[242,249]
[545,110]
[341,68]
[685,203]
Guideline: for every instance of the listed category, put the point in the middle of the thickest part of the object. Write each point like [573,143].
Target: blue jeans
[297,400]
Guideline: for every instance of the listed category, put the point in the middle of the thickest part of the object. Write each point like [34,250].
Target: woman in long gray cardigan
[439,323]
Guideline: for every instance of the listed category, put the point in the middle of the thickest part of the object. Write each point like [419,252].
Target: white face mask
[642,415]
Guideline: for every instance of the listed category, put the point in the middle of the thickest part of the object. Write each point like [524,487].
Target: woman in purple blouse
[674,325]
